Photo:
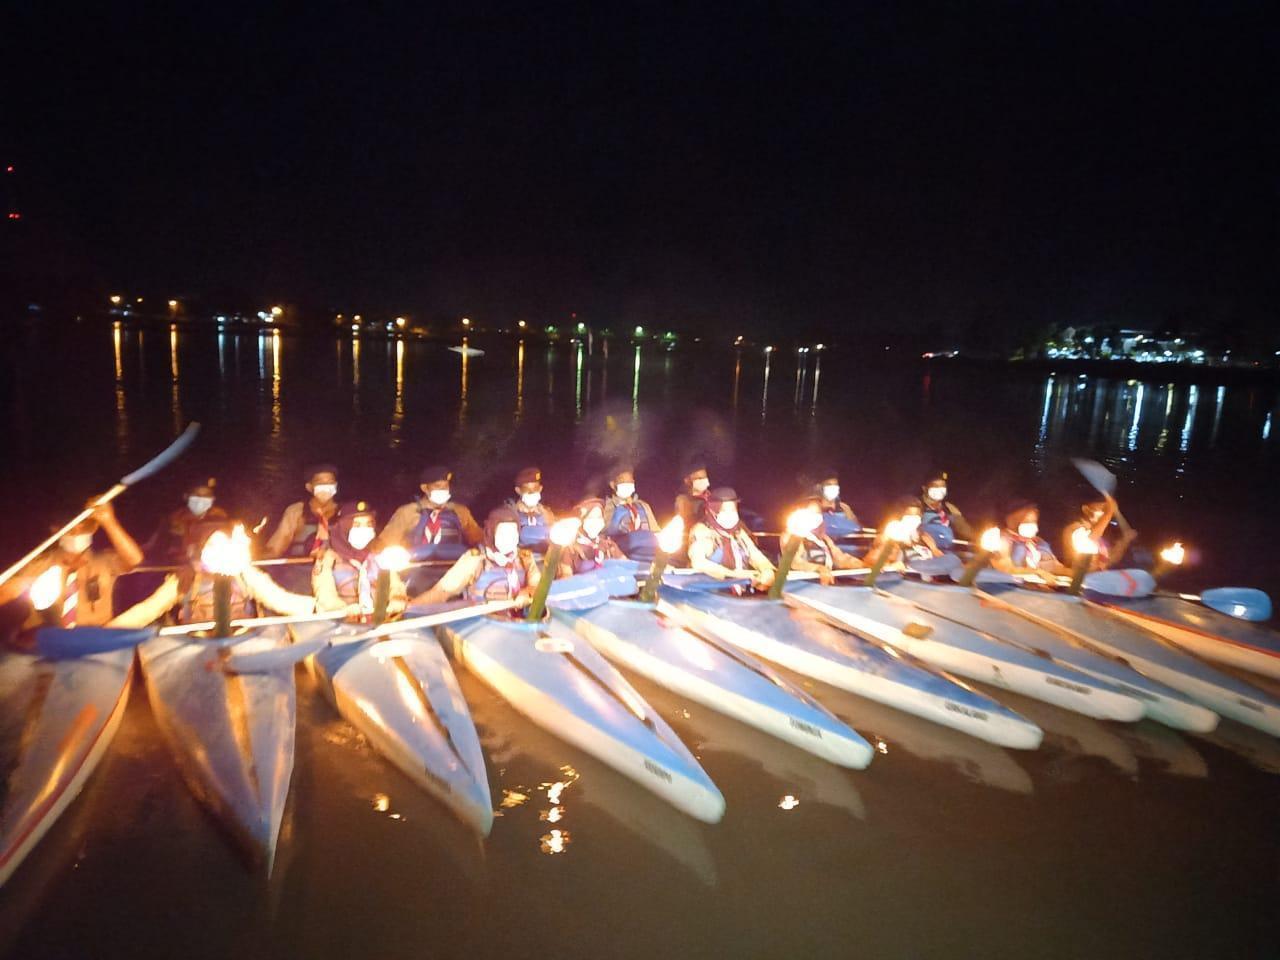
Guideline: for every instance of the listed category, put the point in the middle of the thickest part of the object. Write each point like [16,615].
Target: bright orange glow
[1174,555]
[911,521]
[671,536]
[897,530]
[1082,542]
[804,521]
[115,298]
[563,531]
[991,539]
[277,311]
[173,304]
[394,558]
[226,555]
[46,588]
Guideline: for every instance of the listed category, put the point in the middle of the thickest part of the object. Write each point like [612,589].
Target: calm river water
[1109,841]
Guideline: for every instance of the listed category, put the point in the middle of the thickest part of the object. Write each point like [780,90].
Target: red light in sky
[15,216]
[9,168]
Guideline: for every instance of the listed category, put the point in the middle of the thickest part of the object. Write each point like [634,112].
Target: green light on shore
[639,331]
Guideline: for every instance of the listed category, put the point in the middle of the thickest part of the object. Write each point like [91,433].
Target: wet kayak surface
[1110,840]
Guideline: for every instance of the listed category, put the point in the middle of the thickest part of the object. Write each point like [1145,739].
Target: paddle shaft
[170,453]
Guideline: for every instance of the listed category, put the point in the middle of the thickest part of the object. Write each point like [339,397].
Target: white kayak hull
[1204,632]
[1149,654]
[968,653]
[232,734]
[803,642]
[65,714]
[1159,702]
[401,694]
[561,683]
[632,634]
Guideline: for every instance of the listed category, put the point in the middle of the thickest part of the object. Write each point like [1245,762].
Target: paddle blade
[946,565]
[579,593]
[1098,476]
[164,457]
[267,661]
[837,525]
[699,581]
[58,643]
[1243,603]
[1120,583]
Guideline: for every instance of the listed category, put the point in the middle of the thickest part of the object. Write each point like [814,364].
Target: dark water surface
[1109,841]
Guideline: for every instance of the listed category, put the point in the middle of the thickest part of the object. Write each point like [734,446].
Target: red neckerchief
[728,539]
[510,566]
[1029,543]
[596,548]
[944,515]
[431,533]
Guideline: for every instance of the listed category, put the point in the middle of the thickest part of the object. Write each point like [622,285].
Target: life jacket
[355,581]
[498,582]
[534,529]
[627,518]
[312,536]
[729,551]
[1028,551]
[815,550]
[436,526]
[836,523]
[936,521]
[197,602]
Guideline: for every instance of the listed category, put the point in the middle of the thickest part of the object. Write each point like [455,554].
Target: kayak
[1160,702]
[802,641]
[1147,653]
[401,693]
[634,635]
[59,718]
[232,734]
[1203,631]
[959,649]
[561,683]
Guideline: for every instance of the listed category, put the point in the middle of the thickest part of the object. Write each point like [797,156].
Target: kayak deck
[232,734]
[59,719]
[635,635]
[802,641]
[962,650]
[562,683]
[401,693]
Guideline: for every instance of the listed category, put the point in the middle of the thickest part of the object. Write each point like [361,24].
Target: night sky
[878,168]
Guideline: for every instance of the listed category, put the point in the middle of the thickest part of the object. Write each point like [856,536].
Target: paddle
[152,466]
[1104,481]
[1243,603]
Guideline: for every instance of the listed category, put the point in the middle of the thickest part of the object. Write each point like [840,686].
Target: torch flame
[672,535]
[46,588]
[911,522]
[897,530]
[1174,555]
[226,555]
[1082,542]
[394,558]
[804,521]
[991,539]
[563,531]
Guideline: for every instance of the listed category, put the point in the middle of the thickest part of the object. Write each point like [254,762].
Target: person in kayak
[838,518]
[172,542]
[592,546]
[187,597]
[81,579]
[625,513]
[721,547]
[940,518]
[917,543]
[499,569]
[818,552]
[303,530]
[1023,550]
[1095,520]
[434,524]
[346,575]
[691,501]
[534,516]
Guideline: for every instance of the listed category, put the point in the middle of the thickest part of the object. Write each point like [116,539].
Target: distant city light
[466,321]
[277,311]
[521,324]
[639,331]
[173,304]
[115,298]
[401,321]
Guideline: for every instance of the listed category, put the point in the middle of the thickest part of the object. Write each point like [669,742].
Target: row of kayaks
[907,644]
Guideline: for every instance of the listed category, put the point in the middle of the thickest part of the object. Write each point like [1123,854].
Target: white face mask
[324,492]
[531,499]
[1028,530]
[439,497]
[75,543]
[506,539]
[199,505]
[626,490]
[937,494]
[593,526]
[831,491]
[360,537]
[727,518]
[700,485]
